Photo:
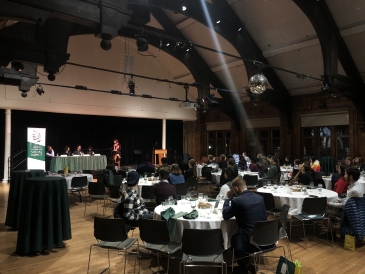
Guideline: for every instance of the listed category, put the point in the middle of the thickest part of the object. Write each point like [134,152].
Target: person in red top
[341,185]
[254,167]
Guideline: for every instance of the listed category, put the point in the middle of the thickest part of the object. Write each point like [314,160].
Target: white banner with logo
[36,152]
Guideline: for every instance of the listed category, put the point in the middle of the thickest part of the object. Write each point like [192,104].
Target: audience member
[163,164]
[304,175]
[211,159]
[223,161]
[248,160]
[359,164]
[341,185]
[242,164]
[248,208]
[191,172]
[163,190]
[254,166]
[175,177]
[348,161]
[227,182]
[287,161]
[273,171]
[146,167]
[111,166]
[182,165]
[131,203]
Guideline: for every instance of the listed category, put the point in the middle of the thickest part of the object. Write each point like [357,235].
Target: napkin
[192,215]
[167,214]
[172,223]
[212,200]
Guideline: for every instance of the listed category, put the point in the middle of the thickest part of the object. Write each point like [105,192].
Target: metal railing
[16,160]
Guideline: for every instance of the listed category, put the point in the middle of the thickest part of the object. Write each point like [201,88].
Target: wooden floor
[318,258]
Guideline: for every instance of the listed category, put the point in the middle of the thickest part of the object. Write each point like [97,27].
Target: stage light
[239,29]
[17,66]
[183,8]
[51,76]
[131,86]
[24,94]
[105,44]
[218,21]
[40,90]
[142,43]
[167,44]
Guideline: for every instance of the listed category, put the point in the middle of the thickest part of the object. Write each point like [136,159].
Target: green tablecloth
[78,163]
[15,199]
[44,216]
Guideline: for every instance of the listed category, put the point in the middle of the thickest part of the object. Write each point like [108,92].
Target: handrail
[12,164]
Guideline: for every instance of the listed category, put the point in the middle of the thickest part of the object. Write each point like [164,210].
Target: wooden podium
[157,155]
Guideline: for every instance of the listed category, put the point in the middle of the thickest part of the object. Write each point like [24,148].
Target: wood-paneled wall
[290,135]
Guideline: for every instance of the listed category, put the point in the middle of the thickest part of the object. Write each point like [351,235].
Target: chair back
[147,192]
[96,189]
[154,232]
[198,242]
[61,171]
[181,189]
[79,182]
[268,200]
[284,215]
[123,173]
[87,171]
[314,206]
[192,182]
[114,192]
[319,181]
[110,230]
[318,175]
[118,180]
[265,233]
[207,173]
[250,180]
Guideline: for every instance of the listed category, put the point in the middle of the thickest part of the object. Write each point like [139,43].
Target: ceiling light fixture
[131,86]
[142,43]
[167,44]
[239,29]
[258,83]
[40,90]
[218,21]
[183,8]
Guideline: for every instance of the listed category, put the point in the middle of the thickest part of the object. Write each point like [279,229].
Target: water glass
[200,196]
[311,184]
[275,187]
[183,199]
[193,204]
[264,184]
[269,184]
[209,211]
[205,199]
[320,187]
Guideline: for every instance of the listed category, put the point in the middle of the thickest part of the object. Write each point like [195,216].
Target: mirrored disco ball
[258,83]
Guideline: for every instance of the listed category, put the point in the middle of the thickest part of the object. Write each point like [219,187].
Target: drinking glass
[275,187]
[193,204]
[183,199]
[145,177]
[205,198]
[209,211]
[269,184]
[200,196]
[320,187]
[264,184]
[311,184]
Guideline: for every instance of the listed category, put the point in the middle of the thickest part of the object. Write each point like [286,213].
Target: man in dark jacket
[248,208]
[163,189]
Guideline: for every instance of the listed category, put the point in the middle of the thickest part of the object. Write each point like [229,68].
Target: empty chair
[111,234]
[313,210]
[207,173]
[118,180]
[155,236]
[192,183]
[198,248]
[283,221]
[269,201]
[148,195]
[251,181]
[78,184]
[319,181]
[114,193]
[181,189]
[97,192]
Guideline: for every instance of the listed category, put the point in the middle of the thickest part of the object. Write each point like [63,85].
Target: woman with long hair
[191,172]
[116,152]
[341,184]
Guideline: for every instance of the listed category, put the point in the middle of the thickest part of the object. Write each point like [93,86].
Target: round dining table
[229,227]
[295,199]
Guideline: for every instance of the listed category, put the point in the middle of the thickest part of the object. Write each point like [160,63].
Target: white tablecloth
[70,176]
[327,182]
[362,183]
[141,183]
[229,228]
[295,199]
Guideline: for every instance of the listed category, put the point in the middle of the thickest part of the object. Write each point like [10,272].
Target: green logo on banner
[36,151]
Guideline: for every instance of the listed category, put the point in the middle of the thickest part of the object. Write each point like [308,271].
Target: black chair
[78,184]
[114,193]
[319,181]
[283,221]
[111,235]
[88,171]
[198,248]
[97,192]
[192,184]
[207,174]
[251,181]
[181,189]
[123,173]
[313,211]
[155,236]
[265,237]
[318,175]
[118,180]
[61,171]
[269,201]
[149,198]
[295,172]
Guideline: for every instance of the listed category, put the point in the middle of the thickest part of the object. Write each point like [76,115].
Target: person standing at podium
[146,167]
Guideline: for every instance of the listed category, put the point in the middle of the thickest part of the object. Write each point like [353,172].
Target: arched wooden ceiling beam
[242,41]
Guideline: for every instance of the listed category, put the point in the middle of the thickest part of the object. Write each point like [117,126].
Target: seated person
[191,172]
[111,166]
[175,177]
[227,182]
[359,164]
[163,164]
[133,207]
[242,164]
[248,160]
[78,151]
[163,189]
[303,176]
[67,151]
[287,161]
[248,208]
[90,151]
[182,165]
[348,161]
[231,163]
[273,171]
[211,160]
[297,162]
[341,185]
[146,167]
[352,175]
[223,162]
[254,167]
